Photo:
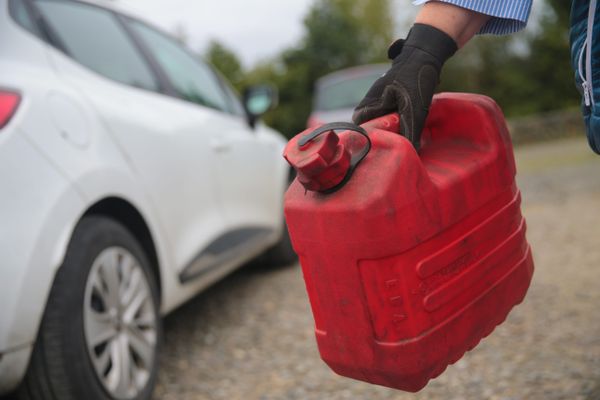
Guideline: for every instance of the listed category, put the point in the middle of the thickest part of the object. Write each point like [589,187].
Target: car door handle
[220,145]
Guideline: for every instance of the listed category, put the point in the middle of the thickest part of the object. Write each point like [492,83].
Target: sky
[253,29]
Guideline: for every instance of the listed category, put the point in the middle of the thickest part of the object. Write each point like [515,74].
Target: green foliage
[338,34]
[561,10]
[524,73]
[342,33]
[225,61]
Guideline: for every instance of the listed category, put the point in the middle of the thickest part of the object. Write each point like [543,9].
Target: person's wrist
[460,23]
[427,38]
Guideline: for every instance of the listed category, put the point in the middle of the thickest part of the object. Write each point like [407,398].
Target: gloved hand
[410,83]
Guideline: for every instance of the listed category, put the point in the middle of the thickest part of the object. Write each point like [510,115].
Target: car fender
[104,182]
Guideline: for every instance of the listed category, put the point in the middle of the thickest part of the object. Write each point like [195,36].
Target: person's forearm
[459,23]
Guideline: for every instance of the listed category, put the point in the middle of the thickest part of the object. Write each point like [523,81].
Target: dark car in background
[337,94]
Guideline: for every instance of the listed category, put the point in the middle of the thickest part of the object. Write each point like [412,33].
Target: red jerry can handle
[473,123]
[324,164]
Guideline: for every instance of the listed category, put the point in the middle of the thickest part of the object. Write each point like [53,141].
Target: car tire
[64,362]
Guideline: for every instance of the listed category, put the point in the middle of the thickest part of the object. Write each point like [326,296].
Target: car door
[251,176]
[252,173]
[248,173]
[165,139]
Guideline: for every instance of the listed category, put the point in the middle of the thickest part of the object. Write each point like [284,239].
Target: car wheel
[101,331]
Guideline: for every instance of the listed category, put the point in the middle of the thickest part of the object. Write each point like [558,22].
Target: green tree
[225,61]
[338,34]
[525,73]
[343,33]
[549,62]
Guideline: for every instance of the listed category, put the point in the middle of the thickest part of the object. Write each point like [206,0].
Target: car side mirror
[258,100]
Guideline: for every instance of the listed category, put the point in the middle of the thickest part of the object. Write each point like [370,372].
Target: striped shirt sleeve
[508,16]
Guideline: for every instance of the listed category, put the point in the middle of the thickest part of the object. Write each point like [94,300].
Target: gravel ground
[250,336]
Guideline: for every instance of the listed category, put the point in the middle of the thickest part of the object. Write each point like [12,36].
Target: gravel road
[250,337]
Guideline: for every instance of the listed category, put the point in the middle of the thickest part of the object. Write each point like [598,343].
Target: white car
[131,178]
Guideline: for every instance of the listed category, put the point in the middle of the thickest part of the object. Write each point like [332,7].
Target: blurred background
[292,44]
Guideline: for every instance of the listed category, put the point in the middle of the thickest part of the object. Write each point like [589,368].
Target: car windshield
[345,94]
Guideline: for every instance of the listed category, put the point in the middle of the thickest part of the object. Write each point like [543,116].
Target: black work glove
[410,83]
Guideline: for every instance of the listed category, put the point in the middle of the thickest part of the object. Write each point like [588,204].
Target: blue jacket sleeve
[508,16]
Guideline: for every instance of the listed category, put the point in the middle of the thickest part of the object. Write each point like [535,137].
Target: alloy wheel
[120,323]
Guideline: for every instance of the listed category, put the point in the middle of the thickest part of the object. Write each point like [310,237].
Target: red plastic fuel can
[410,259]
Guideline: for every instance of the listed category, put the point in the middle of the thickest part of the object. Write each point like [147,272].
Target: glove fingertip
[359,117]
[356,114]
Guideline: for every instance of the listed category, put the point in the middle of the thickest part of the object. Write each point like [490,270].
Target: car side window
[94,37]
[191,78]
[234,100]
[21,15]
